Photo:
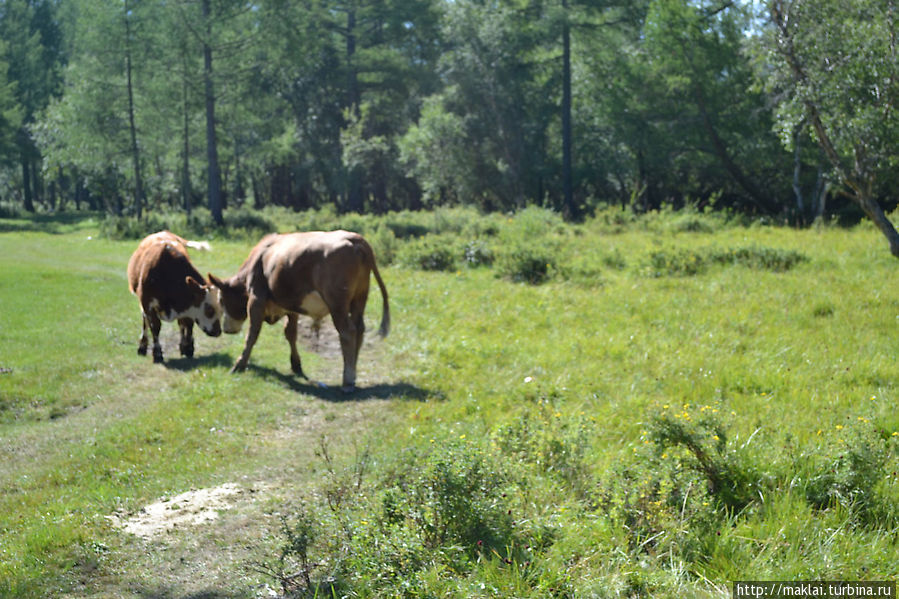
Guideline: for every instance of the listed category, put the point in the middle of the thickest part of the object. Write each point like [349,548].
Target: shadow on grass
[53,224]
[216,360]
[400,390]
[166,593]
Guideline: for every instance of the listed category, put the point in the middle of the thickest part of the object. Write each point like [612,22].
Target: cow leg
[256,313]
[316,330]
[290,333]
[357,312]
[143,343]
[187,337]
[346,329]
[155,325]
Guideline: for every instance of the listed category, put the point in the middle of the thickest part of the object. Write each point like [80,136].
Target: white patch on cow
[196,313]
[314,306]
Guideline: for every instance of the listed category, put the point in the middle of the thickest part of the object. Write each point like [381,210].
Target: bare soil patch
[191,508]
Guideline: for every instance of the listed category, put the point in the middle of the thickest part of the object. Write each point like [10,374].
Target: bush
[10,210]
[477,253]
[849,475]
[729,474]
[454,496]
[440,507]
[678,263]
[239,223]
[527,264]
[555,445]
[688,262]
[429,253]
[385,244]
[760,258]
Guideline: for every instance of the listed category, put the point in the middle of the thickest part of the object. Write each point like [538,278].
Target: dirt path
[201,544]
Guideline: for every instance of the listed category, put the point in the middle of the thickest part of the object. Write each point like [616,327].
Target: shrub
[730,476]
[478,253]
[849,475]
[10,210]
[385,244]
[679,262]
[556,445]
[760,258]
[528,264]
[428,253]
[689,262]
[455,497]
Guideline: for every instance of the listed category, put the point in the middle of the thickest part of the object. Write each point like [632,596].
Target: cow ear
[192,282]
[215,280]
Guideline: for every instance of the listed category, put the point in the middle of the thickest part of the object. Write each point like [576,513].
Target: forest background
[782,109]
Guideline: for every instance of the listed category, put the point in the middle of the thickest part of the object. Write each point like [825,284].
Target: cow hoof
[157,358]
[238,368]
[298,370]
[187,352]
[348,388]
[142,351]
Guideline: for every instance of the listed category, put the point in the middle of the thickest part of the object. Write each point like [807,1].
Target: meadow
[635,406]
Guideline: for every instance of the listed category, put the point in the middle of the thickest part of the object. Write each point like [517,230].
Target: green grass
[577,405]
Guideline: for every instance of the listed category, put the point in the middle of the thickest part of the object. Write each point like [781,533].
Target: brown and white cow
[315,273]
[169,288]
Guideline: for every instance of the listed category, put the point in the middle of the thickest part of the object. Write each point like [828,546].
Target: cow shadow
[182,364]
[168,593]
[332,393]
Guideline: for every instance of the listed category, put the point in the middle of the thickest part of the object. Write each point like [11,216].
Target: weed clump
[851,474]
[684,262]
[429,253]
[478,253]
[527,264]
[441,507]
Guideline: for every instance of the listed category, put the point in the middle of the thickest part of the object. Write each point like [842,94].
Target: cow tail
[385,312]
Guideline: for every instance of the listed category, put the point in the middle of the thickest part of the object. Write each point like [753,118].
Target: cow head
[234,303]
[207,310]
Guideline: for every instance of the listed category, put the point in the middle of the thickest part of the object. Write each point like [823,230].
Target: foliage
[688,262]
[371,107]
[429,253]
[831,67]
[527,263]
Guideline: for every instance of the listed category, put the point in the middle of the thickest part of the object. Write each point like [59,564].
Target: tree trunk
[720,149]
[185,133]
[135,151]
[821,190]
[354,199]
[571,210]
[797,172]
[26,184]
[213,168]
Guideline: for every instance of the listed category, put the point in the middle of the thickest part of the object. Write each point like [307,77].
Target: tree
[214,173]
[498,86]
[10,112]
[833,66]
[696,50]
[34,56]
[94,127]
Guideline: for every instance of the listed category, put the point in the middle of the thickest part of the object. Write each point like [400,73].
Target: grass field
[653,406]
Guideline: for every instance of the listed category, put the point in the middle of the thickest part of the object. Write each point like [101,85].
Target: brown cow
[315,274]
[168,287]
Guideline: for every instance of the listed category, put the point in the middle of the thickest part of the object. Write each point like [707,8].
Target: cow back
[158,271]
